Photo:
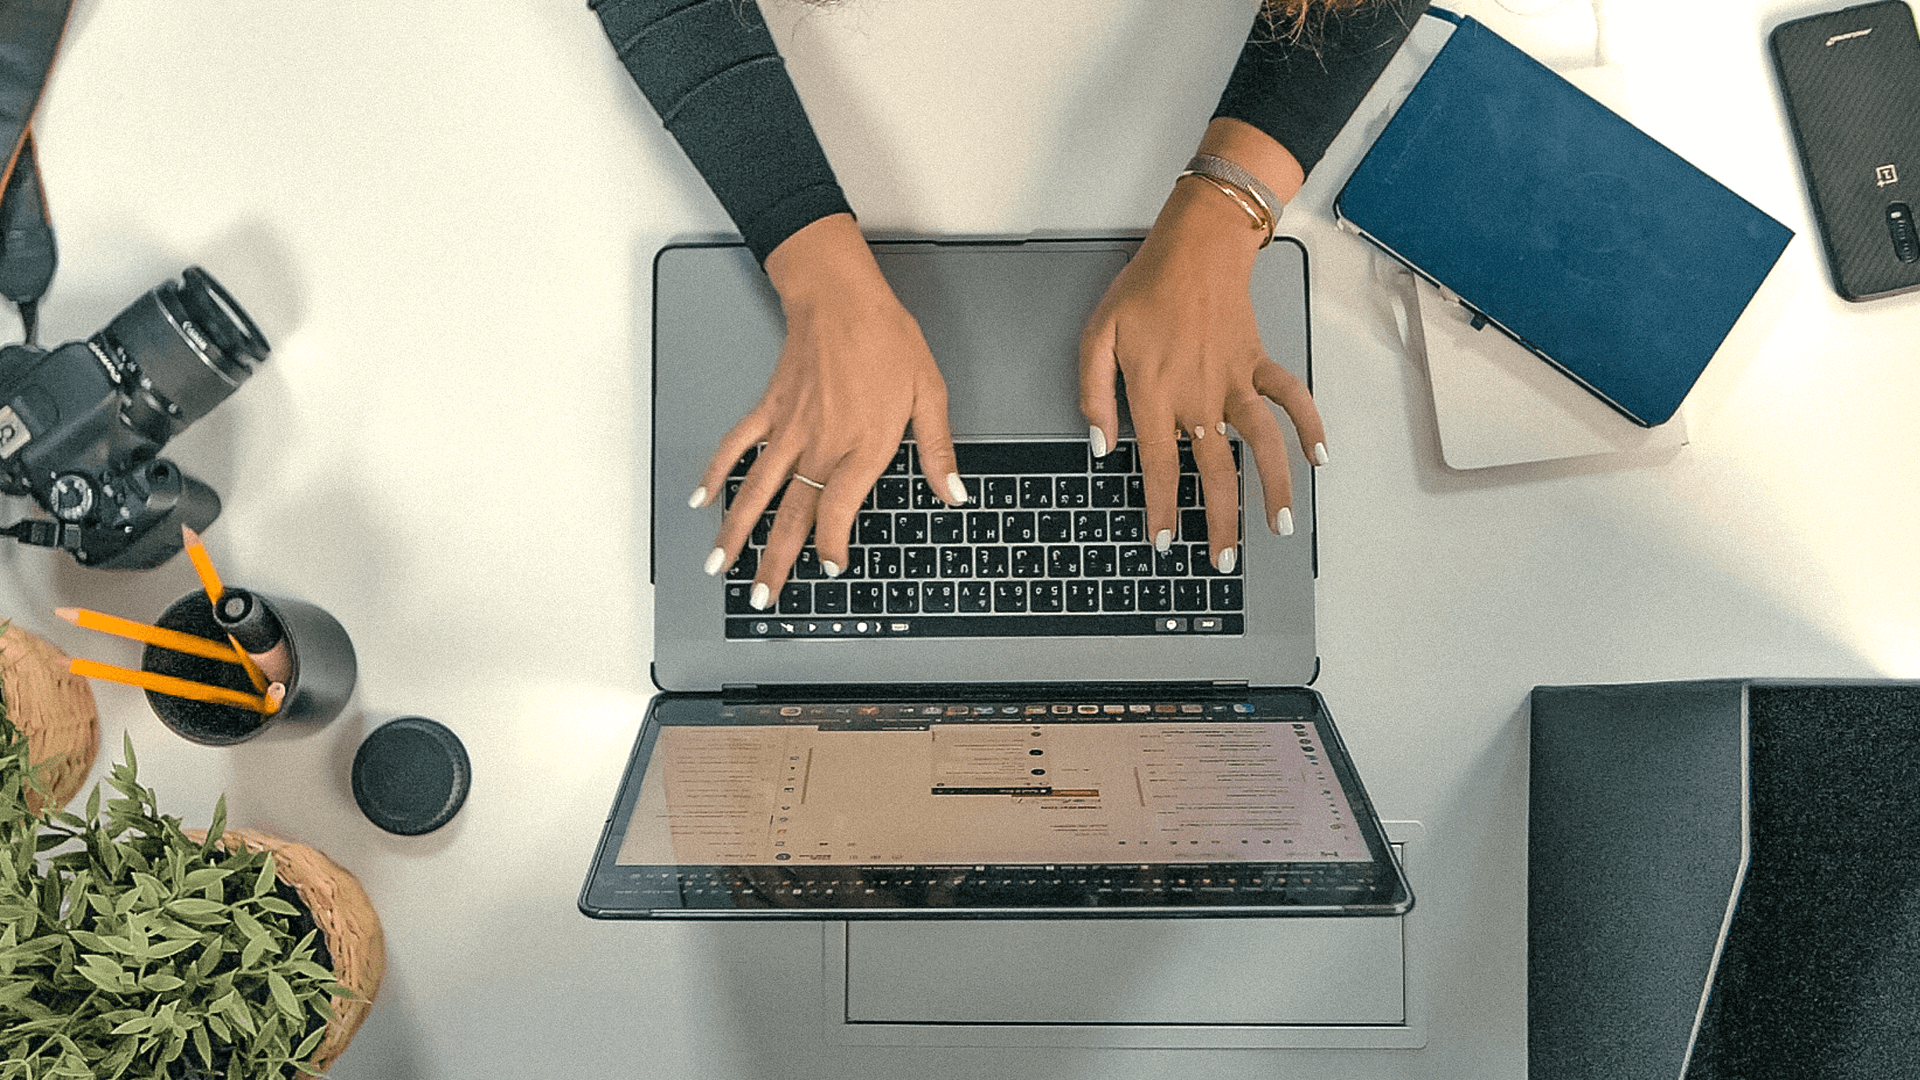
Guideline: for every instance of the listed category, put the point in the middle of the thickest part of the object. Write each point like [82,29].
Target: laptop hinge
[887,691]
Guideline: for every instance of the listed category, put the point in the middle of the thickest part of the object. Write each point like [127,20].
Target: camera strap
[30,32]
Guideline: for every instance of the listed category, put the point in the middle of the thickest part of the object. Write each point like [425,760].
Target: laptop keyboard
[1053,542]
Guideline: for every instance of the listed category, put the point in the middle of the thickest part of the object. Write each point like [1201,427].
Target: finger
[742,437]
[838,506]
[935,436]
[791,526]
[763,481]
[1159,456]
[1099,395]
[1220,491]
[1260,431]
[1289,392]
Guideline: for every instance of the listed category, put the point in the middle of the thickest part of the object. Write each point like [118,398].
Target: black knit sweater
[711,70]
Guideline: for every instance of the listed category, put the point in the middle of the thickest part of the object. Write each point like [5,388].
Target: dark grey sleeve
[714,75]
[1302,93]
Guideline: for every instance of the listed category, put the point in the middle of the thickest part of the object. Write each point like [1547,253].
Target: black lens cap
[411,775]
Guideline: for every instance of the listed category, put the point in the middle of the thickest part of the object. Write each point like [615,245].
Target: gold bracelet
[1254,208]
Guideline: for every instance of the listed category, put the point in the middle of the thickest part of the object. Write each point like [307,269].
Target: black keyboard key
[1002,493]
[910,528]
[1083,596]
[1190,595]
[902,463]
[1016,527]
[1136,560]
[830,598]
[1029,561]
[1155,594]
[1089,526]
[903,598]
[796,598]
[1036,492]
[1116,595]
[1070,492]
[990,562]
[1189,491]
[1063,561]
[947,527]
[1224,594]
[1046,596]
[936,597]
[1055,527]
[806,565]
[975,596]
[744,567]
[746,461]
[732,490]
[737,594]
[1193,526]
[956,562]
[1118,460]
[1099,560]
[983,527]
[873,528]
[1201,560]
[1009,596]
[1137,491]
[1127,526]
[866,598]
[883,562]
[762,529]
[893,493]
[1171,563]
[920,562]
[924,498]
[1109,492]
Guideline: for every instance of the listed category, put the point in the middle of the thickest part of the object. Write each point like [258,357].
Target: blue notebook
[1551,218]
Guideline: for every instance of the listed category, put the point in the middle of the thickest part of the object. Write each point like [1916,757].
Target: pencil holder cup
[320,676]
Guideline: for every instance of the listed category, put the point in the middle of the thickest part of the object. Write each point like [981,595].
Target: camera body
[82,425]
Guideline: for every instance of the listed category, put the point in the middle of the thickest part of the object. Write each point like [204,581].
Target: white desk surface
[443,215]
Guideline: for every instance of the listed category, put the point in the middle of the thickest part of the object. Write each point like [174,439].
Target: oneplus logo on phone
[1886,174]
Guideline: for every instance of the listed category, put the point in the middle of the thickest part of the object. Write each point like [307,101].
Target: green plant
[128,948]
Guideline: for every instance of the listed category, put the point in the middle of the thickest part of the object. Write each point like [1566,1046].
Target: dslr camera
[82,425]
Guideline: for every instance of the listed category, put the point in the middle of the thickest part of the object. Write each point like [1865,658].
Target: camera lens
[192,344]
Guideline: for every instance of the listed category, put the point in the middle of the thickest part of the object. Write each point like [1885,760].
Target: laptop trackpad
[1004,324]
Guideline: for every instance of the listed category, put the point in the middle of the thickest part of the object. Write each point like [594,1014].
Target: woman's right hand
[854,373]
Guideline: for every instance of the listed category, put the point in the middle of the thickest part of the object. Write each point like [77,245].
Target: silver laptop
[1013,708]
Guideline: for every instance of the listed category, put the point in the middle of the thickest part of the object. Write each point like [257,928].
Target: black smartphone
[1851,80]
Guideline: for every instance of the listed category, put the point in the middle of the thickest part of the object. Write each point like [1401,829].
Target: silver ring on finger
[810,482]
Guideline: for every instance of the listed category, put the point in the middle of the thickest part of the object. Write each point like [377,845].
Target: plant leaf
[195,909]
[283,994]
[160,982]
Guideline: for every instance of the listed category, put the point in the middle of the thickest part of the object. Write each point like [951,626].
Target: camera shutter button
[71,497]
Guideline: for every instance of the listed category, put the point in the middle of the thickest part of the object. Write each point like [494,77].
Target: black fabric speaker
[1723,881]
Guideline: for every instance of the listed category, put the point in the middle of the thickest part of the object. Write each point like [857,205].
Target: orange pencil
[202,564]
[152,635]
[254,674]
[171,686]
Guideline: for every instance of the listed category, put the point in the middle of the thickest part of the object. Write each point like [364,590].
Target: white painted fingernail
[1225,563]
[716,561]
[1283,521]
[1319,453]
[956,487]
[760,598]
[832,568]
[1099,440]
[699,498]
[1199,433]
[1221,427]
[1163,540]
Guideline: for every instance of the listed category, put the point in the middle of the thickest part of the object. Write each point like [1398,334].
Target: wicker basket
[54,709]
[345,915]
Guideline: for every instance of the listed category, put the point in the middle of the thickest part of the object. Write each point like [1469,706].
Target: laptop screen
[1069,802]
